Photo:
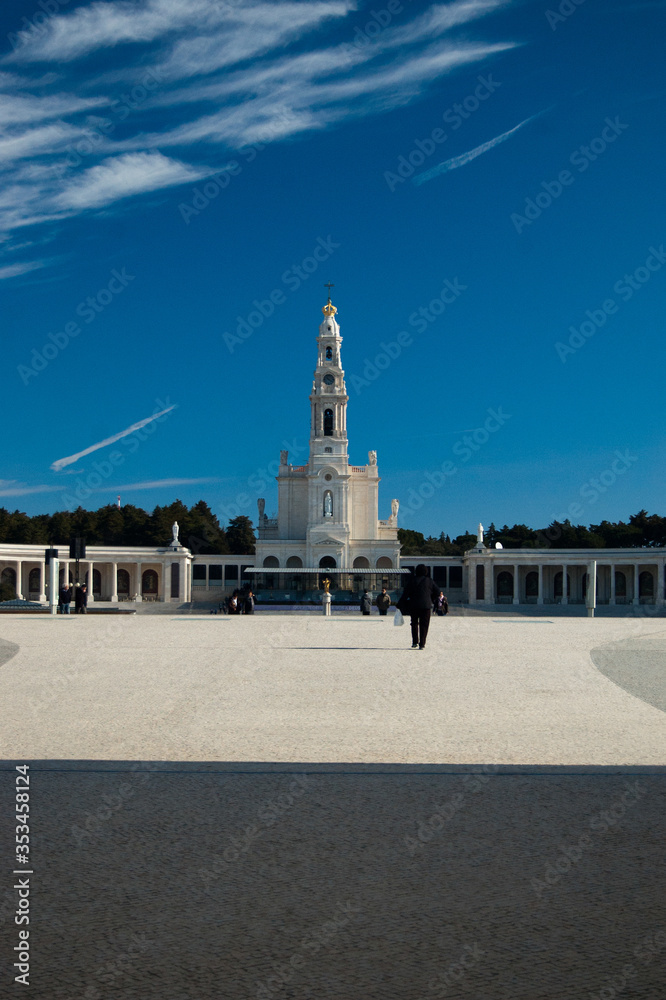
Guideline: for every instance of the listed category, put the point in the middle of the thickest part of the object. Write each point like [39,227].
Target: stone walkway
[299,808]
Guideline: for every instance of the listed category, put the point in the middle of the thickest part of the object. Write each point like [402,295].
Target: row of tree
[642,529]
[201,531]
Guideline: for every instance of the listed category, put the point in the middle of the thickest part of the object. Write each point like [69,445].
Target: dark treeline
[200,529]
[641,529]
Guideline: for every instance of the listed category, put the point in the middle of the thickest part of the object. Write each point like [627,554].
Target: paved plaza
[285,806]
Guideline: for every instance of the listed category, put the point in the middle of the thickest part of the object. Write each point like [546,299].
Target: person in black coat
[248,603]
[366,603]
[81,600]
[65,598]
[416,601]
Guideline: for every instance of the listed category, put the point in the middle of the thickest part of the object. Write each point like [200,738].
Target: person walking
[249,603]
[81,600]
[366,603]
[383,601]
[441,606]
[65,598]
[416,601]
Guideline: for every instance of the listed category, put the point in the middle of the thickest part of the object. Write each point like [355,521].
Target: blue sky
[482,180]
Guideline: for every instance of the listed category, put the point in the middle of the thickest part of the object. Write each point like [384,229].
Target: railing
[359,468]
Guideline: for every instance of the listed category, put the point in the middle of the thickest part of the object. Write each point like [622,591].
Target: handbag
[398,618]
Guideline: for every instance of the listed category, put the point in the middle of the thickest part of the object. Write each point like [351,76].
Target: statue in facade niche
[372,457]
[328,504]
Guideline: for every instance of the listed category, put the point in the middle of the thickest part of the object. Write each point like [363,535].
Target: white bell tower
[328,400]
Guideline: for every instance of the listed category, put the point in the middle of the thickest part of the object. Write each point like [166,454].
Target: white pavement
[301,688]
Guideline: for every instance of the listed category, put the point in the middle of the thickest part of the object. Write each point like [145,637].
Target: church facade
[328,528]
[328,509]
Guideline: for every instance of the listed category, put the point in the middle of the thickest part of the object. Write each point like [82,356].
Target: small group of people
[79,593]
[382,602]
[239,604]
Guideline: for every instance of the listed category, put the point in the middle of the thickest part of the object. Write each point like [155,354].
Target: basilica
[328,535]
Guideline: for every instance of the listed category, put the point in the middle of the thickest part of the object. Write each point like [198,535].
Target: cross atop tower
[329,285]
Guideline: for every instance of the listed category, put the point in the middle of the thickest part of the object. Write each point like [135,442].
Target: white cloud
[10,488]
[62,462]
[58,159]
[13,270]
[157,484]
[122,176]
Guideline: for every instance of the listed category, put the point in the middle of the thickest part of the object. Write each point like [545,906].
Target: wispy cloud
[122,176]
[460,161]
[222,75]
[62,462]
[11,488]
[13,270]
[157,484]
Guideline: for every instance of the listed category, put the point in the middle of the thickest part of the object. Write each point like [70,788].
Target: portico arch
[384,563]
[149,583]
[504,587]
[8,579]
[361,563]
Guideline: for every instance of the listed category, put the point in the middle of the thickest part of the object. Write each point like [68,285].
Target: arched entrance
[149,585]
[532,587]
[8,584]
[504,587]
[646,587]
[123,584]
[328,563]
[34,582]
[557,585]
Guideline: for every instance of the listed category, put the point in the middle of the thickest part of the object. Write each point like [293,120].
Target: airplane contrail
[460,161]
[62,462]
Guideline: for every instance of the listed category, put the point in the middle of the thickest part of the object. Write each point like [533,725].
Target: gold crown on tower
[329,309]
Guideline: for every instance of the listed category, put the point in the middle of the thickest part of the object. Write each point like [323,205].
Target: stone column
[139,571]
[114,582]
[42,582]
[636,598]
[540,594]
[489,581]
[19,581]
[565,599]
[91,585]
[611,599]
[660,583]
[516,586]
